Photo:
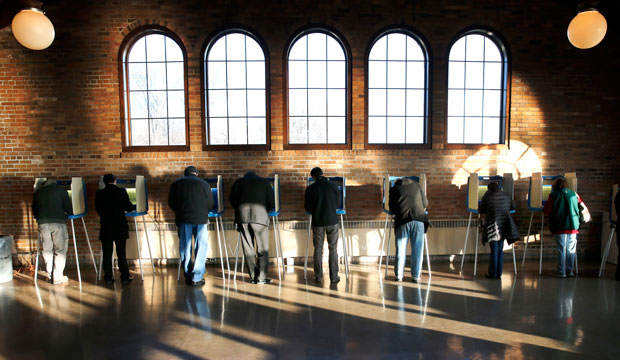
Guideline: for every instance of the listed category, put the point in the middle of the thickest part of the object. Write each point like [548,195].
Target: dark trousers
[257,261]
[318,235]
[107,246]
[618,266]
[497,258]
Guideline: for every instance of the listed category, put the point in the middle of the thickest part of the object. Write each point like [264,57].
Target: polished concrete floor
[452,316]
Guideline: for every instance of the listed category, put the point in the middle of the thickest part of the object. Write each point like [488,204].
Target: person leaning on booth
[408,204]
[50,206]
[498,226]
[563,210]
[321,200]
[191,200]
[111,203]
[252,197]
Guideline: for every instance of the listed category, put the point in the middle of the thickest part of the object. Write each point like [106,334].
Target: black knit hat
[108,179]
[191,170]
[316,172]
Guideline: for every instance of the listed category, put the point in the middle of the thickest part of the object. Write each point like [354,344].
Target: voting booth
[217,190]
[76,189]
[273,216]
[138,195]
[386,185]
[341,210]
[613,222]
[477,186]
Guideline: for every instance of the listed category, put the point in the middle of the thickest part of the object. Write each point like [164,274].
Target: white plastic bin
[6,262]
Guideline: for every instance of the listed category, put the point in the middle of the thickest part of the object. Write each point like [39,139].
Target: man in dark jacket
[321,200]
[191,200]
[50,206]
[498,226]
[111,204]
[252,197]
[408,203]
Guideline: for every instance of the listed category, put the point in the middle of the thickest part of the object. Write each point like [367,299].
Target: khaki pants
[54,239]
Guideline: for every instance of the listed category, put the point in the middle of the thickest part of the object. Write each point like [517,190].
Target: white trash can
[6,261]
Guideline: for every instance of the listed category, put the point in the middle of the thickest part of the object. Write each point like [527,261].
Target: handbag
[584,214]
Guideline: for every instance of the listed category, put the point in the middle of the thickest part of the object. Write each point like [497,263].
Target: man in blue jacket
[191,200]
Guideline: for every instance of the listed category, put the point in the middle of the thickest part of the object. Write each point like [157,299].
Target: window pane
[138,105]
[334,49]
[493,76]
[456,105]
[137,77]
[236,75]
[237,131]
[216,76]
[219,131]
[396,74]
[336,130]
[492,102]
[156,74]
[490,130]
[396,130]
[158,106]
[377,72]
[235,47]
[377,103]
[336,102]
[257,131]
[317,102]
[336,74]
[379,49]
[137,52]
[253,50]
[473,75]
[473,103]
[415,75]
[159,131]
[396,102]
[256,75]
[396,47]
[456,75]
[455,130]
[217,103]
[317,46]
[177,131]
[237,103]
[176,103]
[376,130]
[155,48]
[298,102]
[317,127]
[218,50]
[457,52]
[317,74]
[415,130]
[475,48]
[414,51]
[297,74]
[139,132]
[173,51]
[473,130]
[298,131]
[298,50]
[256,103]
[175,76]
[415,103]
[491,51]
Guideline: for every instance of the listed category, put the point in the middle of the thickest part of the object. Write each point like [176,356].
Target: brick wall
[60,112]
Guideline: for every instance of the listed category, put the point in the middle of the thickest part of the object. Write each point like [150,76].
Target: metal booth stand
[613,221]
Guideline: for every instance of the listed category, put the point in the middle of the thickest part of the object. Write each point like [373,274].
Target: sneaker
[127,280]
[261,282]
[336,280]
[198,283]
[489,276]
[558,274]
[571,274]
[399,279]
[61,281]
[415,281]
[109,281]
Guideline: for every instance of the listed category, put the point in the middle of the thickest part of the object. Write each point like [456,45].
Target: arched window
[318,98]
[477,83]
[397,89]
[236,101]
[154,95]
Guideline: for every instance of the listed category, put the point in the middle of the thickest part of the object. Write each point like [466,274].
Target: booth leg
[465,244]
[345,247]
[179,271]
[428,257]
[277,222]
[36,264]
[135,221]
[576,263]
[100,263]
[605,253]
[387,254]
[476,253]
[77,261]
[148,244]
[225,244]
[514,258]
[307,248]
[236,255]
[383,242]
[527,239]
[542,227]
[275,240]
[89,247]
[219,242]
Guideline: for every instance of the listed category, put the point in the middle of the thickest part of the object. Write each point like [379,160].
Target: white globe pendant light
[33,29]
[587,29]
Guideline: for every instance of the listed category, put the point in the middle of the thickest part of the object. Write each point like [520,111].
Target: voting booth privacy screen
[217,190]
[342,189]
[76,189]
[477,186]
[388,182]
[275,185]
[138,195]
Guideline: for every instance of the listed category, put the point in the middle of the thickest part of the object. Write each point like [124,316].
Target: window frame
[323,29]
[416,35]
[212,39]
[504,50]
[126,44]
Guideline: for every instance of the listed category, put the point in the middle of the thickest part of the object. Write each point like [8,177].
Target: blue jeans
[414,231]
[565,264]
[497,258]
[193,271]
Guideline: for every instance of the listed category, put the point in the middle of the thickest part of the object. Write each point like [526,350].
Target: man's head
[316,172]
[250,173]
[493,186]
[191,170]
[109,179]
[560,183]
